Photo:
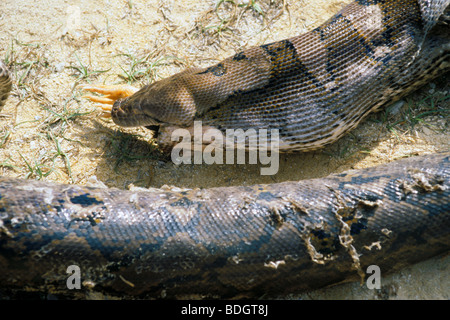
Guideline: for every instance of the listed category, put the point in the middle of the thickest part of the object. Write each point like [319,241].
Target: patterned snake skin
[262,240]
[5,84]
[314,87]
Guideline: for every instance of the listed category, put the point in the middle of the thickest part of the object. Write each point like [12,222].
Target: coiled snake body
[265,239]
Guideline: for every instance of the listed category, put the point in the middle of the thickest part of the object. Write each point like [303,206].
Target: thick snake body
[256,241]
[262,240]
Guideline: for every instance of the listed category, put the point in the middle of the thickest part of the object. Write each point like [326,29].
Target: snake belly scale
[261,240]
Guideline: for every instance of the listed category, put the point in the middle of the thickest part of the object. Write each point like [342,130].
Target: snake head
[166,102]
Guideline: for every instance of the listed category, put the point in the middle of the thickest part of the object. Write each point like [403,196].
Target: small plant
[38,169]
[84,72]
[141,68]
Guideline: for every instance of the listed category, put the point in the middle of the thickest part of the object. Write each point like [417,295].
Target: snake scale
[261,240]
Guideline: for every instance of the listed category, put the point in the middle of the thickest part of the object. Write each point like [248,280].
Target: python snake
[261,240]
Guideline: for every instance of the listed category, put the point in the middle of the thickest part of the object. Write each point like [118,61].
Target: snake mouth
[126,115]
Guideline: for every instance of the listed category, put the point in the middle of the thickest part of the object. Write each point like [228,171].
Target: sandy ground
[49,132]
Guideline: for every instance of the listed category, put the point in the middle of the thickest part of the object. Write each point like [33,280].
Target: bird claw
[110,93]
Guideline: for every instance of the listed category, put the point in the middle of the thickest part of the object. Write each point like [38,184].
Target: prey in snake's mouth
[113,96]
[113,103]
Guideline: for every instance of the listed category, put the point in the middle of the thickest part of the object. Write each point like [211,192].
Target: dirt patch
[48,131]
